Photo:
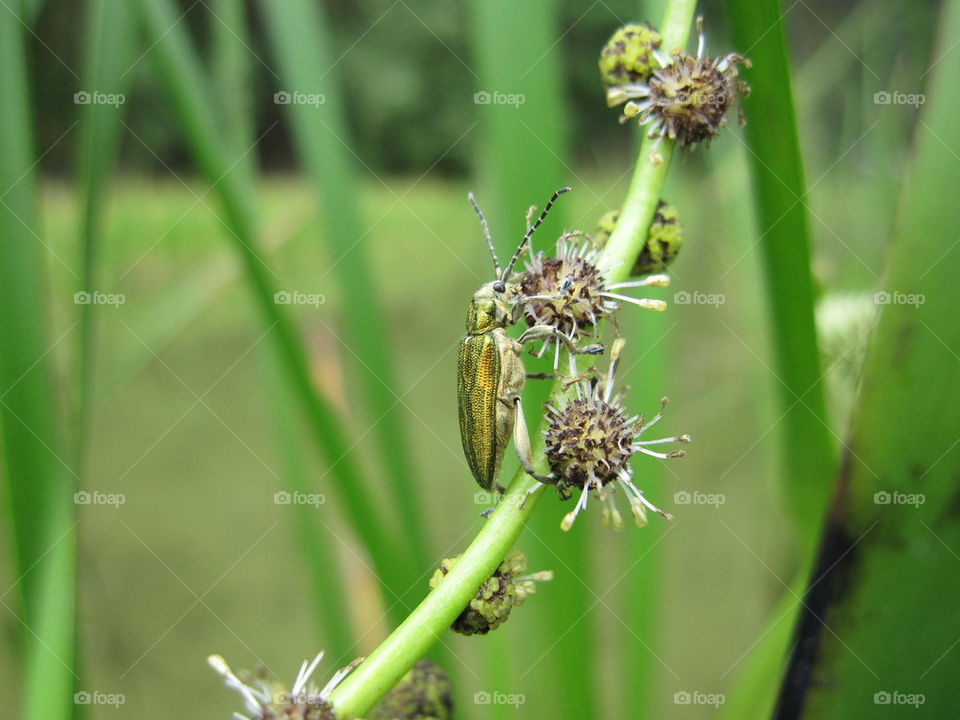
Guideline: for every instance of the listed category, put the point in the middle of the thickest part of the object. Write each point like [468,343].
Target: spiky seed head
[629,56]
[424,693]
[265,700]
[684,98]
[566,291]
[589,441]
[497,596]
[689,97]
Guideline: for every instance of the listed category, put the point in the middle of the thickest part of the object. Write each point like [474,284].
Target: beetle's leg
[521,441]
[529,493]
[541,376]
[540,332]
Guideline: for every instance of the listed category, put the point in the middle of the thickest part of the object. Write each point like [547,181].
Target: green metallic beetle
[491,374]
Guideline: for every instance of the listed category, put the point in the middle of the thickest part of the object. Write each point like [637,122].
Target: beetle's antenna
[532,229]
[486,232]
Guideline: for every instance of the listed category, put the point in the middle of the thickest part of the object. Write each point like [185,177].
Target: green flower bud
[662,244]
[630,55]
[496,597]
[424,693]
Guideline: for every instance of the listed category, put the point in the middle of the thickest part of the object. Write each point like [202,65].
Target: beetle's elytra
[489,383]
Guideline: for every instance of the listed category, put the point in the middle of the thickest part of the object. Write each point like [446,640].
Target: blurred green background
[200,183]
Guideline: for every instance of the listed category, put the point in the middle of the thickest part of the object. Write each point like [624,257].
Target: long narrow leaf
[109,45]
[779,191]
[890,548]
[301,45]
[39,485]
[185,82]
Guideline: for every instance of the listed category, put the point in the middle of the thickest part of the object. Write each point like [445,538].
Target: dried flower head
[662,244]
[424,693]
[590,441]
[569,292]
[630,55]
[687,98]
[497,596]
[264,700]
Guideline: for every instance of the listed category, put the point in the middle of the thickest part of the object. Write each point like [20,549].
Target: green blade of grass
[232,62]
[779,189]
[890,548]
[109,46]
[301,45]
[39,486]
[185,81]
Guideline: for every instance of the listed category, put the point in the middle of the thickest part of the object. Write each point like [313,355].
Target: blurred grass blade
[185,81]
[779,189]
[891,545]
[232,62]
[109,44]
[39,488]
[301,46]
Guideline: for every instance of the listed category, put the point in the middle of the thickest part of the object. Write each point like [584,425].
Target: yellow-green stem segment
[386,665]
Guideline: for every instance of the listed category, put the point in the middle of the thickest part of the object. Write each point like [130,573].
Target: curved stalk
[363,688]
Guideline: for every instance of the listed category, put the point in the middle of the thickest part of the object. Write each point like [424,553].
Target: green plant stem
[386,665]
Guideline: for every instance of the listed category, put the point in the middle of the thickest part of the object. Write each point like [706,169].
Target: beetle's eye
[499,286]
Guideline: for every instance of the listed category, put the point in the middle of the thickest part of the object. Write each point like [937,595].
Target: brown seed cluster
[566,291]
[689,98]
[588,441]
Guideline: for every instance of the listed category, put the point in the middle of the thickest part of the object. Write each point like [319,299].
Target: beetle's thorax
[492,308]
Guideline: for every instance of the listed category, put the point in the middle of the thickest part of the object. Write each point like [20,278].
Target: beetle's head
[496,304]
[499,303]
